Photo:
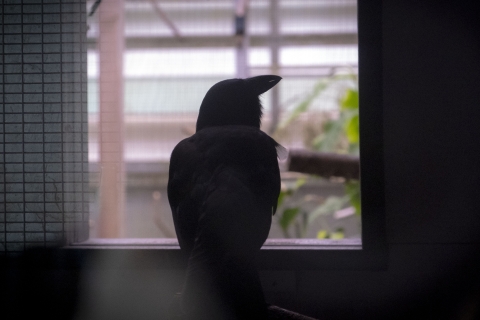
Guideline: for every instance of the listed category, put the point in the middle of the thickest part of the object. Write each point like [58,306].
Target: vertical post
[111,189]
[275,66]
[243,40]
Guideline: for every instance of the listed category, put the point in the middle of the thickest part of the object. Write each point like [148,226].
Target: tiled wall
[43,124]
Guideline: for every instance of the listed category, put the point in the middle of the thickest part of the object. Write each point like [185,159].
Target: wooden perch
[324,164]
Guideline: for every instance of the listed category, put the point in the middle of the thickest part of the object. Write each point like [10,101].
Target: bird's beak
[262,84]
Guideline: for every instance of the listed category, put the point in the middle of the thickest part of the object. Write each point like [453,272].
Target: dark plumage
[223,187]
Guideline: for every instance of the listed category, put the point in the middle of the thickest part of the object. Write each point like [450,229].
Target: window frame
[369,253]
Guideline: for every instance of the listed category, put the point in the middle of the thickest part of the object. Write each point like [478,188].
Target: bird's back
[211,160]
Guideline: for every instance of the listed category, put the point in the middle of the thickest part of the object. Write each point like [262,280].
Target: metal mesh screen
[43,124]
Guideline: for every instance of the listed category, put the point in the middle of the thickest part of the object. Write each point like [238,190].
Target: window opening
[174,51]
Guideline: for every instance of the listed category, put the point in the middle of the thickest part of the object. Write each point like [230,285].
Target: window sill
[276,254]
[172,244]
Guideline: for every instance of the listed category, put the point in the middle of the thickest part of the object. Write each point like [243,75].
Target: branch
[324,164]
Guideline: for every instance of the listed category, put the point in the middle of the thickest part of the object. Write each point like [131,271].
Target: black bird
[223,187]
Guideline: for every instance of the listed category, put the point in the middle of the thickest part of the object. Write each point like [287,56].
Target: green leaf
[288,216]
[338,234]
[290,190]
[350,100]
[330,205]
[322,234]
[300,182]
[305,104]
[281,198]
[332,132]
[352,129]
[352,190]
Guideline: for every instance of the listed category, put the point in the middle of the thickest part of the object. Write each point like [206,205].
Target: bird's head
[235,102]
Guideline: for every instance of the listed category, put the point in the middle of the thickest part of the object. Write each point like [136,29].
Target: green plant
[337,134]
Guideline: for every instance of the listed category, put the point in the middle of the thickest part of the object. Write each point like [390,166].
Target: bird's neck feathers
[225,116]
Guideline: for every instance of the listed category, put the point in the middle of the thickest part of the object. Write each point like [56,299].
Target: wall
[431,111]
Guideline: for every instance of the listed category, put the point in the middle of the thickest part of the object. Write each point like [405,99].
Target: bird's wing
[185,190]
